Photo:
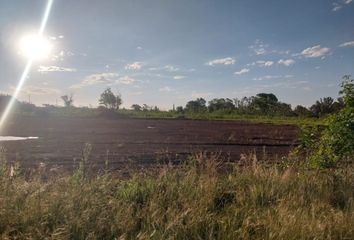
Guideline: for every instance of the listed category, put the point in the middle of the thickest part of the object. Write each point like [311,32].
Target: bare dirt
[141,142]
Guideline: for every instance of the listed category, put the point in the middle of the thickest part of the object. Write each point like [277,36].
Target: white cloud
[103,78]
[260,51]
[347,44]
[201,94]
[133,66]
[99,78]
[242,71]
[44,69]
[165,89]
[336,7]
[125,80]
[179,77]
[265,63]
[315,51]
[139,48]
[259,48]
[261,63]
[38,90]
[269,77]
[339,5]
[170,68]
[222,61]
[286,62]
[61,55]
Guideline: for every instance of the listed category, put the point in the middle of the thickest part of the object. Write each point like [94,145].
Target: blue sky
[165,52]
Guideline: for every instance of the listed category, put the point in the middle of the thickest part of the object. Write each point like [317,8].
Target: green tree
[221,104]
[110,100]
[265,103]
[136,107]
[302,111]
[146,107]
[4,100]
[179,110]
[68,100]
[322,107]
[198,105]
[348,91]
[283,109]
[336,143]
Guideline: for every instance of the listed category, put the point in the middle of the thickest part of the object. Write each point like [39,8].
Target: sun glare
[35,47]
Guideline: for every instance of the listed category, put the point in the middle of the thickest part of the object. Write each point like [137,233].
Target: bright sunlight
[35,47]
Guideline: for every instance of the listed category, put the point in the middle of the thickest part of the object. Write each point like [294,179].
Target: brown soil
[141,142]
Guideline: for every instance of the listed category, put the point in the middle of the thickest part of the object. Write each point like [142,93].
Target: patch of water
[13,138]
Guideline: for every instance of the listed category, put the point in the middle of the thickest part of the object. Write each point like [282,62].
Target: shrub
[336,143]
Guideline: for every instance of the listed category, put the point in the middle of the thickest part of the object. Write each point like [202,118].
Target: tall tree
[221,104]
[68,100]
[198,105]
[322,107]
[110,100]
[265,103]
[136,107]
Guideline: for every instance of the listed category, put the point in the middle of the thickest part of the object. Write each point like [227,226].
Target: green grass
[194,201]
[227,116]
[219,115]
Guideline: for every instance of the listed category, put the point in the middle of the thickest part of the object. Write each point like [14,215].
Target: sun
[35,47]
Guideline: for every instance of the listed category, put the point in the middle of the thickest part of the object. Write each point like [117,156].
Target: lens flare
[32,55]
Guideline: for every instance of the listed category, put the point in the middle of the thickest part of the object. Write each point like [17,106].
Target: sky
[167,52]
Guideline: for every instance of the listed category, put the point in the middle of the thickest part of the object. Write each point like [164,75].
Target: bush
[337,140]
[336,143]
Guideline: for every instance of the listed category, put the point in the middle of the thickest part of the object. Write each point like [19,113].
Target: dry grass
[193,201]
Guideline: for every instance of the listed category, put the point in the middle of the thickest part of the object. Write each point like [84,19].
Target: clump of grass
[196,200]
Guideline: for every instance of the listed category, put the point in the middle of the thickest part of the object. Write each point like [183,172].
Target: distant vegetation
[263,106]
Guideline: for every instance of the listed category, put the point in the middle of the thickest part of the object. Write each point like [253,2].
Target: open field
[141,141]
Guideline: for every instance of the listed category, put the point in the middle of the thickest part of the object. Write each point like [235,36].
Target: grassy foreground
[193,201]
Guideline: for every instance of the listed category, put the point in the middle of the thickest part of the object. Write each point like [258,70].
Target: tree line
[261,104]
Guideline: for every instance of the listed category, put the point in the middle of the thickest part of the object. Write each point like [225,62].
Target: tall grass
[198,200]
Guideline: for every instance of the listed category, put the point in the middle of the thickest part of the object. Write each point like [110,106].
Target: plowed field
[141,142]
